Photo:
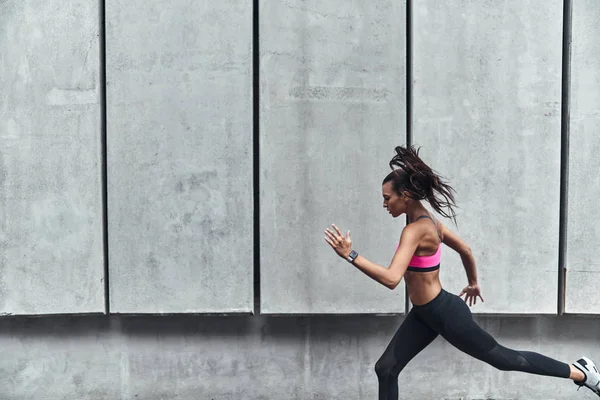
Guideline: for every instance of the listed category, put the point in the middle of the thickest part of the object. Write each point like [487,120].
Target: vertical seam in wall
[255,149]
[102,72]
[564,156]
[409,77]
[409,72]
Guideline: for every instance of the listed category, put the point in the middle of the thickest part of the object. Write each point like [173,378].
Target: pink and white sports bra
[427,263]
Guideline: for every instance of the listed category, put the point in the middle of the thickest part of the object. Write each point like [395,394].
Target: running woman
[435,311]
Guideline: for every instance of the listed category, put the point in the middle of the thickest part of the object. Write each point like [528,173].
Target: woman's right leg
[411,337]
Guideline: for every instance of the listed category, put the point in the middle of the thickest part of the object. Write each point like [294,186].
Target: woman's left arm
[389,277]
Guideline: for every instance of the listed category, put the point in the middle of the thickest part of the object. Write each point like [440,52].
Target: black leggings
[449,316]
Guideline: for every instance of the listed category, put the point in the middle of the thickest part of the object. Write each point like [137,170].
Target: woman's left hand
[342,245]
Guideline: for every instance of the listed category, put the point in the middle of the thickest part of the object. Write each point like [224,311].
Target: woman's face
[392,201]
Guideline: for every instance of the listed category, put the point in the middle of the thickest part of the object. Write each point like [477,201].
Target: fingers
[331,236]
[334,240]
[337,230]
[337,237]
[329,241]
[483,301]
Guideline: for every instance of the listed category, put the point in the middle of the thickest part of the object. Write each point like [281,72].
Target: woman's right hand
[471,293]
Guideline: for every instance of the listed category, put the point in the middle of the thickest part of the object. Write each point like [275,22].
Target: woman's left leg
[451,317]
[460,330]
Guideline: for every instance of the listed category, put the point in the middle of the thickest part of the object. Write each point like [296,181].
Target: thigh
[461,331]
[412,336]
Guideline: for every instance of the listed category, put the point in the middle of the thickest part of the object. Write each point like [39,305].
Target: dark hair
[420,181]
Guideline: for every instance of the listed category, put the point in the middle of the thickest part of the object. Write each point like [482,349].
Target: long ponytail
[411,174]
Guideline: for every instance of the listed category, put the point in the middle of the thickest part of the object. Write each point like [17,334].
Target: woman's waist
[422,287]
[418,278]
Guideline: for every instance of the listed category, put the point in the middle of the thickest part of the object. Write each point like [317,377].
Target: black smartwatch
[352,256]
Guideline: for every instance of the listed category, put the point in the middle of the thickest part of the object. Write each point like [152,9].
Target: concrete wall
[583,268]
[487,95]
[51,251]
[331,113]
[179,154]
[260,357]
[181,211]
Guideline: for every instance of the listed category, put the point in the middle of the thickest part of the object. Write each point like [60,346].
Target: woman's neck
[416,210]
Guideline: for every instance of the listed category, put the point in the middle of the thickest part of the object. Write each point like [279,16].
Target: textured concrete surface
[233,358]
[487,95]
[583,266]
[332,109]
[180,205]
[51,254]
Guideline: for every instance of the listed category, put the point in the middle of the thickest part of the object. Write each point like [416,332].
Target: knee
[500,365]
[384,367]
[495,362]
[505,359]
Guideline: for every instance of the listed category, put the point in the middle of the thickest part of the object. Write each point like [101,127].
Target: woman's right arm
[452,240]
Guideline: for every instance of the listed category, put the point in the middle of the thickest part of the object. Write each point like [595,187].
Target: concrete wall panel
[180,205]
[583,267]
[332,109]
[264,358]
[51,252]
[487,96]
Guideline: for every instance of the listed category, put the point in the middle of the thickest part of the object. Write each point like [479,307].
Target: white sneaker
[592,376]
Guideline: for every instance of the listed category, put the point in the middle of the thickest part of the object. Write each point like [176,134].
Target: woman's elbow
[466,252]
[393,283]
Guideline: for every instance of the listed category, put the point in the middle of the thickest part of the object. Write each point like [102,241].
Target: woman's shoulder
[424,227]
[414,229]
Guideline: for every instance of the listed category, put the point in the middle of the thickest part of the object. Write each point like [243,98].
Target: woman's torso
[423,283]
